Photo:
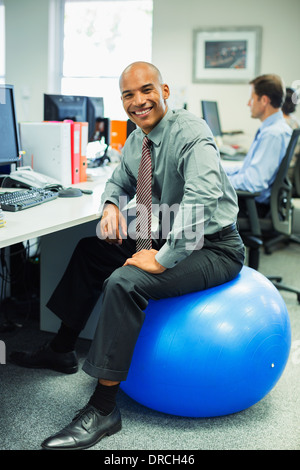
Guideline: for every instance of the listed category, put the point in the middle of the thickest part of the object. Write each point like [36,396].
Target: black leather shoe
[46,358]
[87,428]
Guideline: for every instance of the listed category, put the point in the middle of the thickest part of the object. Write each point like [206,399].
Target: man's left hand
[145,259]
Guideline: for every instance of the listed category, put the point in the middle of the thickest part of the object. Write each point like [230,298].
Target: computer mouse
[70,192]
[86,191]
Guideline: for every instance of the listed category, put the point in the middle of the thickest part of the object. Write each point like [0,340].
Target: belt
[219,235]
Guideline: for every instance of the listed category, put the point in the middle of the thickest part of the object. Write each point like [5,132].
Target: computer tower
[48,149]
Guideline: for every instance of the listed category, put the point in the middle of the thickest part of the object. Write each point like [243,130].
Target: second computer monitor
[77,108]
[210,114]
[95,110]
[61,107]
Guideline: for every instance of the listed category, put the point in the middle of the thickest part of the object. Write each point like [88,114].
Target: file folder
[84,137]
[75,150]
[118,134]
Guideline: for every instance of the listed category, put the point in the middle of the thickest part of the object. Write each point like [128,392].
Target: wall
[27,54]
[27,64]
[174,22]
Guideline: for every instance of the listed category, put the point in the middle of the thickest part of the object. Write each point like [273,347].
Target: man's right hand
[112,224]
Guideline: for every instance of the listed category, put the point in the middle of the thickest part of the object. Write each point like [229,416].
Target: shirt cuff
[109,200]
[168,257]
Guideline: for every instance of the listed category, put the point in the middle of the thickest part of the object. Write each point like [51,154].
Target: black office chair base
[276,226]
[294,239]
[253,262]
[276,280]
[272,244]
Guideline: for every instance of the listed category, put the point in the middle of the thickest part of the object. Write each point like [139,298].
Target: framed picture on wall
[226,55]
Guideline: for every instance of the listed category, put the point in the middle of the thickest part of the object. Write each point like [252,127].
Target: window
[100,39]
[2,43]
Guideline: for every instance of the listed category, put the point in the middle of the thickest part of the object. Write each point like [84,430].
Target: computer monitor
[210,114]
[95,110]
[130,127]
[9,131]
[60,107]
[101,129]
[76,108]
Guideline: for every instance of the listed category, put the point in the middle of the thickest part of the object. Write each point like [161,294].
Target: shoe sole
[112,431]
[67,370]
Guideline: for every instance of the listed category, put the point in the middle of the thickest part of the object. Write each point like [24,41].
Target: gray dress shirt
[191,193]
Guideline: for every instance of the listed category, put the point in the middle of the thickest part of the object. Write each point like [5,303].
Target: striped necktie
[144,199]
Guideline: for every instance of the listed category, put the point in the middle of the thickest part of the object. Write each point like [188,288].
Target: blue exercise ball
[213,352]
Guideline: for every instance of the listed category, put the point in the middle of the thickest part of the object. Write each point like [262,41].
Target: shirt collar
[271,119]
[156,134]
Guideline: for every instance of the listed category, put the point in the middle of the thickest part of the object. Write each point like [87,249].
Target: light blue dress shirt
[263,159]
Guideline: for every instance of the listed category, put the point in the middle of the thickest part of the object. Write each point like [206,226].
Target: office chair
[297,177]
[277,225]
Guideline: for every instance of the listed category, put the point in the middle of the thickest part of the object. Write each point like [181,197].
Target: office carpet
[35,403]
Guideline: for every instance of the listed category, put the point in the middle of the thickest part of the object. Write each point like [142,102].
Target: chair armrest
[252,210]
[247,194]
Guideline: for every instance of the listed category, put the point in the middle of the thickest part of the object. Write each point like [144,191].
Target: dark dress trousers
[96,265]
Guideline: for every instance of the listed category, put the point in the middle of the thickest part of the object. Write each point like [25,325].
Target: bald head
[140,65]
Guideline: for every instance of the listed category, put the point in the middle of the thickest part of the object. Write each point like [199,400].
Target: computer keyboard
[19,200]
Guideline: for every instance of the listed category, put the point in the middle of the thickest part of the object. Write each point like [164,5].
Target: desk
[52,216]
[60,224]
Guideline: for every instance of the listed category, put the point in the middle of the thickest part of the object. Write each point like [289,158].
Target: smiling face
[143,95]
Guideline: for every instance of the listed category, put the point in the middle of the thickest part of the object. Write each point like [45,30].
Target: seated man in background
[269,146]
